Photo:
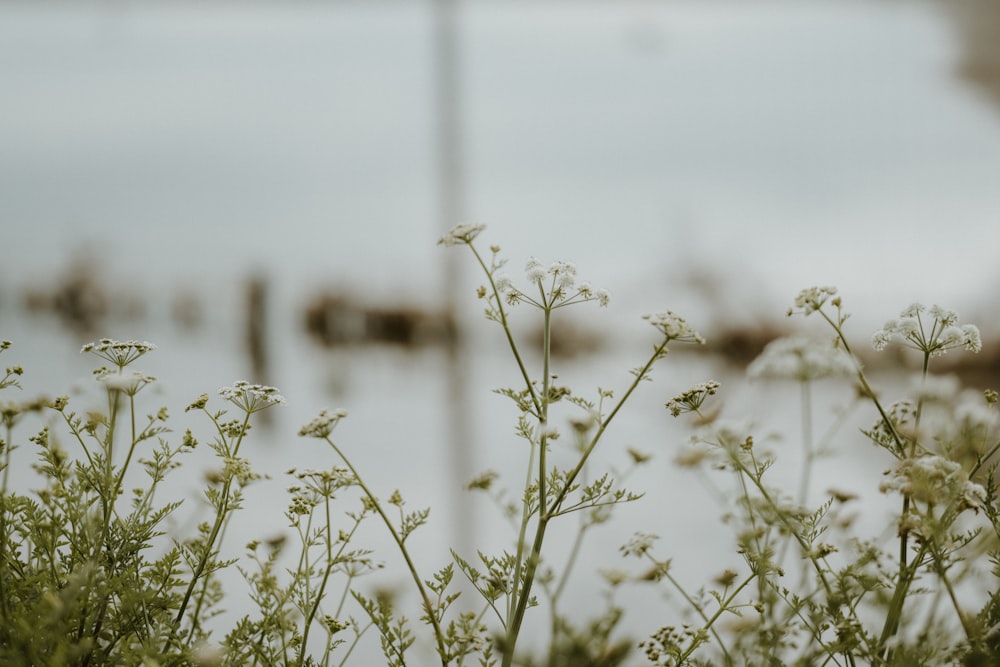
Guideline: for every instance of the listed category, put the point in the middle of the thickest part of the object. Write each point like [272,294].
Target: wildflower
[943,333]
[503,283]
[802,359]
[321,425]
[974,417]
[639,544]
[603,297]
[934,388]
[812,299]
[534,270]
[198,404]
[674,327]
[126,383]
[120,353]
[934,480]
[692,399]
[252,397]
[460,234]
[563,273]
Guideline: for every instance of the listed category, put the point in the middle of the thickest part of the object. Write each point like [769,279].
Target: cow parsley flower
[674,327]
[940,334]
[934,481]
[252,397]
[692,399]
[127,383]
[534,270]
[803,359]
[119,353]
[463,234]
[812,299]
[322,424]
[563,274]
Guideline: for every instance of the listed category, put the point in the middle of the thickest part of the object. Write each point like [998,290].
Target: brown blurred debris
[256,329]
[78,297]
[978,25]
[334,319]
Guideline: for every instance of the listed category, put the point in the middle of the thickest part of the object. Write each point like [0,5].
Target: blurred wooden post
[452,212]
[256,333]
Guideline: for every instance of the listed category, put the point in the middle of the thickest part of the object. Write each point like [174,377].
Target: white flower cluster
[321,425]
[935,481]
[674,327]
[812,299]
[127,383]
[463,234]
[556,284]
[252,397]
[692,399]
[119,353]
[943,334]
[803,359]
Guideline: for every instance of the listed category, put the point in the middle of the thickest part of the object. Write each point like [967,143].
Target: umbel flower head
[674,327]
[119,353]
[127,383]
[692,399]
[463,234]
[803,359]
[252,397]
[812,299]
[321,425]
[935,481]
[934,333]
[554,286]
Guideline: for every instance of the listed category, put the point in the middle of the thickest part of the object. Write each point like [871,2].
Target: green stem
[547,511]
[428,606]
[330,563]
[710,622]
[507,332]
[222,510]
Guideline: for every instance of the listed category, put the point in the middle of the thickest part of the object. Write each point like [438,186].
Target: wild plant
[95,571]
[855,600]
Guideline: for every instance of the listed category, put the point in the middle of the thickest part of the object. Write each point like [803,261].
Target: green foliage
[94,571]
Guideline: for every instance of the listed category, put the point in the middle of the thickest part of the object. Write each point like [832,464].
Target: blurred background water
[258,187]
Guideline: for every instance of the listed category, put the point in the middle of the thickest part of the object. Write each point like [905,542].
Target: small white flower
[674,327]
[461,234]
[972,341]
[252,397]
[321,425]
[880,339]
[127,383]
[120,353]
[503,283]
[802,359]
[534,270]
[603,297]
[692,399]
[934,388]
[934,339]
[812,299]
[943,315]
[935,481]
[564,274]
